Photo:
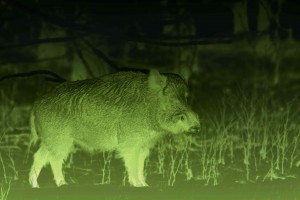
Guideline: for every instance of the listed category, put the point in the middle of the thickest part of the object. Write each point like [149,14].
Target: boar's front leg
[134,159]
[143,154]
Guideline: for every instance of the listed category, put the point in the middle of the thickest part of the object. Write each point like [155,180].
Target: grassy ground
[249,136]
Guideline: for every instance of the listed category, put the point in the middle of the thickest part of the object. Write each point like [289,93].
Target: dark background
[240,58]
[206,41]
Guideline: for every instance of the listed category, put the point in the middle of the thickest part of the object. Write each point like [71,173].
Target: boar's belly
[101,140]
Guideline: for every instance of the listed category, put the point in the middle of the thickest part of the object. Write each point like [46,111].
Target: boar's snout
[194,129]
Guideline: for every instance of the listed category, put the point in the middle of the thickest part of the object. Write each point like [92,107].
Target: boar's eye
[178,117]
[182,117]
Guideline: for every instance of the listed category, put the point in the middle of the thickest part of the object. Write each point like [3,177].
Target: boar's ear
[156,82]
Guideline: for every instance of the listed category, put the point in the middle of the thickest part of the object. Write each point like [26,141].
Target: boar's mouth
[194,129]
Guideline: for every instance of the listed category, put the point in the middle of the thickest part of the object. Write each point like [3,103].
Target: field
[240,59]
[248,148]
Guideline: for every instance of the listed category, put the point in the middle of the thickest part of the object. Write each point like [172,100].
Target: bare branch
[53,76]
[102,56]
[83,60]
[35,42]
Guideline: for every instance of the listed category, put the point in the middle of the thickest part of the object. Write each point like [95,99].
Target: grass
[5,183]
[254,136]
[250,138]
[267,133]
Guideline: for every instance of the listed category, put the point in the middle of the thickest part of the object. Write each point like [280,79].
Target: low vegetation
[252,137]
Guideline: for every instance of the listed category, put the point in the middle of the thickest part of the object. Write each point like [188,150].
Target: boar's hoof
[33,182]
[139,184]
[61,183]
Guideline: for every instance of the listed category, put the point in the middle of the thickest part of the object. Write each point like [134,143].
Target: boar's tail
[33,134]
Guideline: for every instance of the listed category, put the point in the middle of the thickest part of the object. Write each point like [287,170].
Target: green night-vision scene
[149,99]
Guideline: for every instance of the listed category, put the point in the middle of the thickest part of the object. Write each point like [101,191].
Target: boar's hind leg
[40,160]
[58,156]
[56,166]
